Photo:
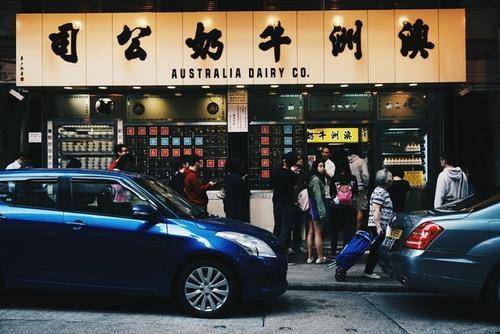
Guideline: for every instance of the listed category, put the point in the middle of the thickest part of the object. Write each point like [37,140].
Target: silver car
[455,248]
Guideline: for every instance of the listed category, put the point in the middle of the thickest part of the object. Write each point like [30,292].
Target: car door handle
[76,225]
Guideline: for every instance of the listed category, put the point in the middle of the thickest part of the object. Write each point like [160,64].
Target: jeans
[343,219]
[287,216]
[372,260]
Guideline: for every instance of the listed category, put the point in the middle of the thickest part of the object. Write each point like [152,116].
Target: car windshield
[173,200]
[473,202]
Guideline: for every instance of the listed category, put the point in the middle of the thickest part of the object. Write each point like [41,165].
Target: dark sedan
[455,248]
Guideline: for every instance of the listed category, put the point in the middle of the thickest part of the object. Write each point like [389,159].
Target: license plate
[392,236]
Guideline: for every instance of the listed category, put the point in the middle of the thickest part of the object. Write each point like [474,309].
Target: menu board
[402,106]
[155,148]
[279,107]
[268,143]
[347,105]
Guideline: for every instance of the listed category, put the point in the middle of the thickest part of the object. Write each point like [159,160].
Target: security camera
[16,94]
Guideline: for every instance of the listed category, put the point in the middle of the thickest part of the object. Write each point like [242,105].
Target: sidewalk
[317,277]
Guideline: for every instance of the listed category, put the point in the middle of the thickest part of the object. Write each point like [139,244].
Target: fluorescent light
[171,87]
[309,85]
[399,92]
[16,94]
[274,86]
[304,93]
[178,94]
[240,86]
[210,94]
[272,93]
[136,87]
[68,87]
[102,87]
[336,93]
[378,85]
[344,85]
[413,84]
[205,87]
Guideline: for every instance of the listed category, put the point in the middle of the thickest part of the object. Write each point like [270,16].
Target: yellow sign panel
[415,178]
[333,135]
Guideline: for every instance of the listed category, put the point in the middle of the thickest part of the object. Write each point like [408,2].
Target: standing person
[318,209]
[326,157]
[301,184]
[120,151]
[344,190]
[283,181]
[22,161]
[399,189]
[177,182]
[452,182]
[359,168]
[380,214]
[196,192]
[236,191]
[276,170]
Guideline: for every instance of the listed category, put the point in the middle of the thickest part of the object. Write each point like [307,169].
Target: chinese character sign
[333,135]
[231,48]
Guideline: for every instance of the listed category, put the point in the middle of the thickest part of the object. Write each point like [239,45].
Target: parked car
[455,248]
[116,232]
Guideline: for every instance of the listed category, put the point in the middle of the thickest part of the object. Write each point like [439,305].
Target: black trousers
[287,215]
[372,260]
[343,219]
[298,227]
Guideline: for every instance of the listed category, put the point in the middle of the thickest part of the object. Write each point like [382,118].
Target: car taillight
[423,235]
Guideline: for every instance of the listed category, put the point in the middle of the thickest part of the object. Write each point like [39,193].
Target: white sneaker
[372,276]
[321,261]
[310,260]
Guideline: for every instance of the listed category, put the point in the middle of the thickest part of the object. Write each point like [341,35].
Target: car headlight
[251,245]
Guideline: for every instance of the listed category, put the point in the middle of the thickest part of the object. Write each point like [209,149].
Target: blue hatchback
[115,232]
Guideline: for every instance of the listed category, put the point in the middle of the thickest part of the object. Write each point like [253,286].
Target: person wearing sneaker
[381,211]
[317,211]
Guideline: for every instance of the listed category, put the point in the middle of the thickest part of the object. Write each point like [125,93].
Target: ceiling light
[210,94]
[309,85]
[378,85]
[136,87]
[171,87]
[240,86]
[413,84]
[344,85]
[178,94]
[102,87]
[272,93]
[304,93]
[336,93]
[274,86]
[205,87]
[68,87]
[16,94]
[399,92]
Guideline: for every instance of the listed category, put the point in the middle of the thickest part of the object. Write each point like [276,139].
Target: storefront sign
[289,47]
[333,135]
[237,110]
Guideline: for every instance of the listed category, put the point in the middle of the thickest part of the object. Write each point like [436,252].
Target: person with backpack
[344,188]
[317,211]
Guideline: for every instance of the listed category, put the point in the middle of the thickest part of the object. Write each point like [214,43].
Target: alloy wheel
[206,289]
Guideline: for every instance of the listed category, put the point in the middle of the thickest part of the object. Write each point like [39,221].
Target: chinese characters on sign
[203,42]
[62,39]
[333,135]
[275,33]
[414,38]
[341,37]
[134,50]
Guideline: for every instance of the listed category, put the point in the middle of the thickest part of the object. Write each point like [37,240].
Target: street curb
[351,287]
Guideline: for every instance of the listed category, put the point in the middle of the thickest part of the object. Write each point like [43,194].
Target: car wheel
[493,288]
[206,288]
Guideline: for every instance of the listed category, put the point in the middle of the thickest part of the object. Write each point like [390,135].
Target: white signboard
[237,115]
[230,48]
[34,137]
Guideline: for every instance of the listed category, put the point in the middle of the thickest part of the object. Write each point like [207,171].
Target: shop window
[30,193]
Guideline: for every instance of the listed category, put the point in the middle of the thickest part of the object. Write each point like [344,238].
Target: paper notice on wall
[237,116]
[34,137]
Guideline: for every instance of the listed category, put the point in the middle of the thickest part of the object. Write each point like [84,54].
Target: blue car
[116,232]
[455,248]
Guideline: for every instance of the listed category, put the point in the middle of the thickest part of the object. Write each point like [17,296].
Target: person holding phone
[196,192]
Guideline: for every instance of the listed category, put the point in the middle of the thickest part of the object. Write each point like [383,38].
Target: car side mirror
[145,212]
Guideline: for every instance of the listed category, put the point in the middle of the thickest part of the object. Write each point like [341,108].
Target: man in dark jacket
[196,192]
[236,192]
[177,182]
[283,181]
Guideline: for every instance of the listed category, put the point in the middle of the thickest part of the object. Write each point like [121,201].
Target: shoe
[291,251]
[310,260]
[372,276]
[291,263]
[321,261]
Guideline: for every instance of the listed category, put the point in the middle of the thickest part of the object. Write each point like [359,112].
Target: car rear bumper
[434,271]
[263,278]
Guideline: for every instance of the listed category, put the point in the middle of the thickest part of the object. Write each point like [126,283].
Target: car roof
[43,172]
